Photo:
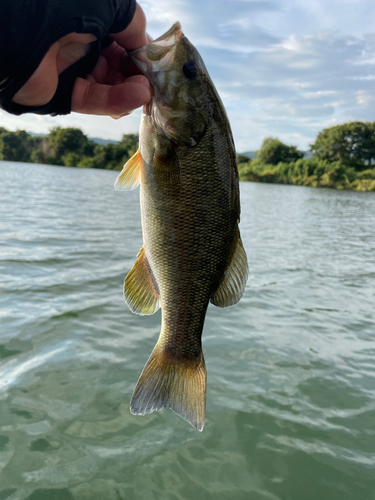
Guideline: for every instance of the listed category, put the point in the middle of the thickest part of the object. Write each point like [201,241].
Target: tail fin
[179,384]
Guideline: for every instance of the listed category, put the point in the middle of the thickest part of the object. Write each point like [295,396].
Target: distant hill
[103,142]
[37,135]
[251,154]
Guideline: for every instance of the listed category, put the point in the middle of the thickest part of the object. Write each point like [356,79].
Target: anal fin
[140,289]
[232,285]
[130,176]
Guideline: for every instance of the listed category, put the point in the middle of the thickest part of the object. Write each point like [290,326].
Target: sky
[283,68]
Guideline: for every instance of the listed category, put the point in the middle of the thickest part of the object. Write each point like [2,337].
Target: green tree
[351,143]
[242,159]
[17,146]
[273,151]
[114,156]
[130,141]
[65,141]
[66,146]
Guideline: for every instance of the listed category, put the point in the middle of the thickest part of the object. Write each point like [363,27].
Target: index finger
[116,100]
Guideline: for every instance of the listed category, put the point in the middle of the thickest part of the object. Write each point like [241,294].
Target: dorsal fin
[130,176]
[140,289]
[234,280]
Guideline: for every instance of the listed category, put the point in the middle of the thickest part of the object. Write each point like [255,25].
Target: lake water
[291,368]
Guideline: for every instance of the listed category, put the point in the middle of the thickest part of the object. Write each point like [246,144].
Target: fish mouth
[159,53]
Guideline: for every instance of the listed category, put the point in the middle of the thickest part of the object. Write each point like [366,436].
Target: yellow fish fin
[234,280]
[167,381]
[140,289]
[130,176]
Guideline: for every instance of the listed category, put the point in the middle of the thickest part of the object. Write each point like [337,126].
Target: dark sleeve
[28,28]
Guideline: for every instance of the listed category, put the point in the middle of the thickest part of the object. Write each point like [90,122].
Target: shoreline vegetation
[68,147]
[309,172]
[342,157]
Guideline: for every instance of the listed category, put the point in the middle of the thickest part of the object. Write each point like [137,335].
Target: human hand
[114,87]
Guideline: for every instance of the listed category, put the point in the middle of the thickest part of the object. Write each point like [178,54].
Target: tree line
[343,157]
[66,147]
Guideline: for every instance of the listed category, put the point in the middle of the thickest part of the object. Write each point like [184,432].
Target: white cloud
[362,78]
[363,98]
[319,93]
[162,14]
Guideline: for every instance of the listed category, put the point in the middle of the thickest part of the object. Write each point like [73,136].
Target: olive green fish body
[192,251]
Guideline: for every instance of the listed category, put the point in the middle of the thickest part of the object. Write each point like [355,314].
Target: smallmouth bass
[192,251]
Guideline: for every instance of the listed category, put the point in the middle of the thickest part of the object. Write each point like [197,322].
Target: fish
[192,251]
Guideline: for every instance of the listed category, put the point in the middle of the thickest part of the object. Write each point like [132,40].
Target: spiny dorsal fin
[140,289]
[233,283]
[130,176]
[179,384]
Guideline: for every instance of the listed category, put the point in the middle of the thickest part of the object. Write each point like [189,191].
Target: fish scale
[192,251]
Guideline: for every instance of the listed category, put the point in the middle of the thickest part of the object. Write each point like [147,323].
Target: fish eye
[190,70]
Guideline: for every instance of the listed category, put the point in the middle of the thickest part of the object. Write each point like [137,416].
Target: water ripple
[290,394]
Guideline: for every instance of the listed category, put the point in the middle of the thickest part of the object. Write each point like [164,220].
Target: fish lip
[175,31]
[157,54]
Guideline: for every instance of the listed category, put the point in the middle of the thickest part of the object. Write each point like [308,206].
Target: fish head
[184,95]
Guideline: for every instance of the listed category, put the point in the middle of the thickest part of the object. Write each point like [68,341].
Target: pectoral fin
[167,169]
[130,176]
[233,283]
[140,289]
